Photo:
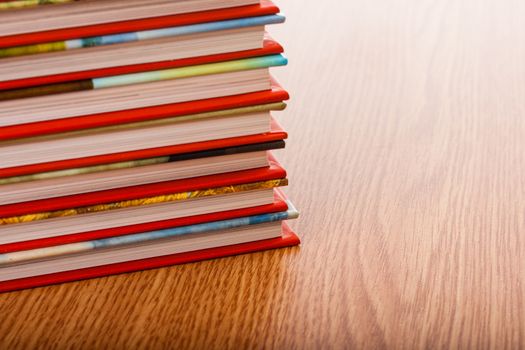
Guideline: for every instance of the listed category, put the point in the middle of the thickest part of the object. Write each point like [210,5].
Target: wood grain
[406,157]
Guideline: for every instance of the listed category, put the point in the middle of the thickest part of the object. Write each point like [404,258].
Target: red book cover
[288,238]
[275,94]
[265,8]
[274,171]
[270,47]
[276,133]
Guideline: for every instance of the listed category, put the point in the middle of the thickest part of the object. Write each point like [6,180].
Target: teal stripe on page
[175,31]
[191,71]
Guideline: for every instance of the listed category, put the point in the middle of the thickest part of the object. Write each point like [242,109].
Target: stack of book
[137,134]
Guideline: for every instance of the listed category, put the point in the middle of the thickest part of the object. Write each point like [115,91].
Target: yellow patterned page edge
[18,4]
[145,201]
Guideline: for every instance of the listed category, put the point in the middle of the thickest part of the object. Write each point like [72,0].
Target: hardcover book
[286,238]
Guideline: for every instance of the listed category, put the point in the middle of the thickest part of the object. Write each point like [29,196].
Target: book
[286,239]
[269,47]
[108,216]
[128,37]
[132,164]
[135,53]
[276,133]
[114,243]
[201,183]
[138,90]
[145,135]
[265,7]
[224,213]
[143,201]
[274,94]
[44,261]
[100,15]
[163,170]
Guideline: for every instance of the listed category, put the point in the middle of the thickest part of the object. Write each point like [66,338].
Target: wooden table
[406,158]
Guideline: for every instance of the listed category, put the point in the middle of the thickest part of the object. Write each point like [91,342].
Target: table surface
[406,159]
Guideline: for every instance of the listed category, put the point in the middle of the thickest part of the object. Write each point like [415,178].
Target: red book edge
[275,94]
[288,239]
[265,8]
[276,133]
[272,172]
[278,205]
[269,47]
